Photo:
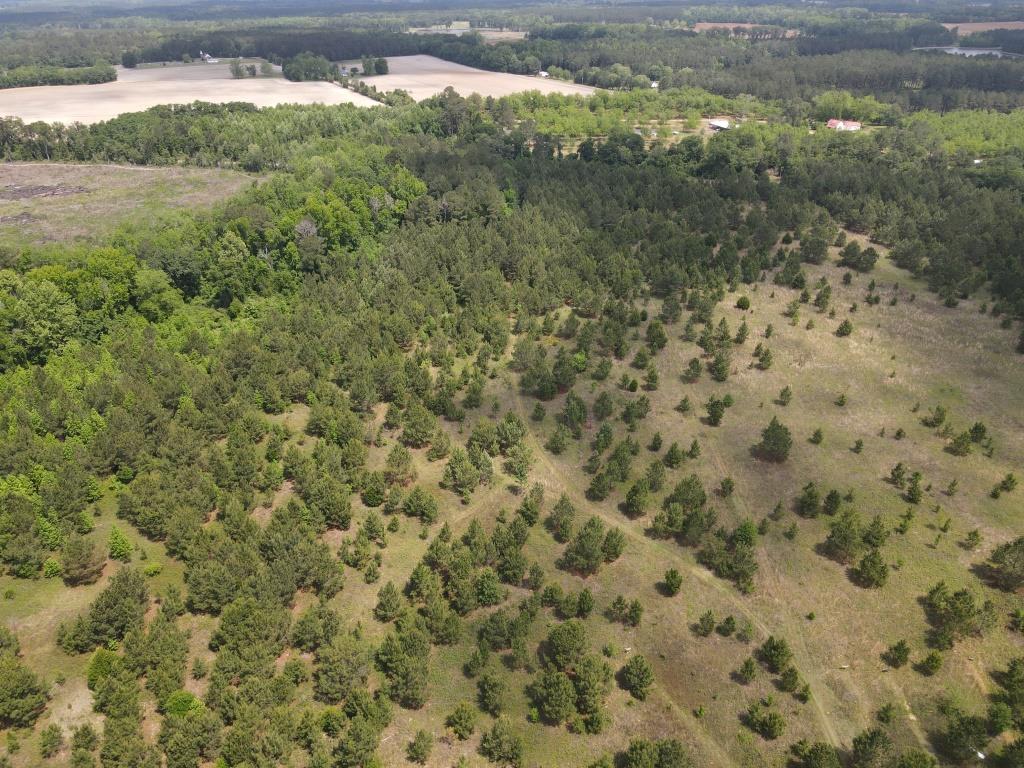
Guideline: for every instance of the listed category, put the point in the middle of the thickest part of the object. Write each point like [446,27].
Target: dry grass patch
[72,202]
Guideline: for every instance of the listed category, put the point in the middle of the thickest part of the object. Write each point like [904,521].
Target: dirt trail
[912,722]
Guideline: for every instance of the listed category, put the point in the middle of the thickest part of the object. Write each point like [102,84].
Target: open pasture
[65,202]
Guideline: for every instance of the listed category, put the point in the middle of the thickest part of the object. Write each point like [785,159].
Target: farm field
[425,76]
[970,27]
[145,87]
[65,202]
[488,35]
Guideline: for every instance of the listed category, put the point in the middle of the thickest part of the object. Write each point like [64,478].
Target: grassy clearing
[61,203]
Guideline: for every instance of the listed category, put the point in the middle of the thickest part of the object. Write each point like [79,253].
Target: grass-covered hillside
[443,445]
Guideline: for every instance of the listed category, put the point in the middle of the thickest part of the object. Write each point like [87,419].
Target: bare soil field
[61,203]
[145,87]
[970,27]
[426,76]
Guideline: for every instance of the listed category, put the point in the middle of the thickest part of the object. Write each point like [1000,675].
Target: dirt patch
[18,218]
[27,192]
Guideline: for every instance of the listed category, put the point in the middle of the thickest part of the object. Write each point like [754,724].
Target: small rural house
[843,125]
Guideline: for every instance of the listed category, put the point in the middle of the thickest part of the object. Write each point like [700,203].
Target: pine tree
[637,499]
[716,410]
[914,491]
[462,720]
[776,441]
[673,581]
[637,676]
[584,554]
[673,456]
[872,570]
[389,603]
[83,563]
[719,366]
[119,546]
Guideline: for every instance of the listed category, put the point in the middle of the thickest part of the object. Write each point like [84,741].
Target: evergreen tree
[637,498]
[637,676]
[389,603]
[585,552]
[776,442]
[554,696]
[82,561]
[872,570]
[673,581]
[22,695]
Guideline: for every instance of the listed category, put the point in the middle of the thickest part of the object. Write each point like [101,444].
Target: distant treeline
[868,57]
[22,77]
[877,34]
[1010,40]
[279,44]
[912,187]
[914,81]
[62,47]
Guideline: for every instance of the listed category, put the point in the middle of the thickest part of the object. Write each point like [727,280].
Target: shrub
[897,654]
[705,624]
[490,691]
[462,720]
[418,750]
[554,696]
[51,739]
[747,671]
[872,570]
[775,654]
[119,546]
[501,745]
[673,581]
[930,664]
[765,721]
